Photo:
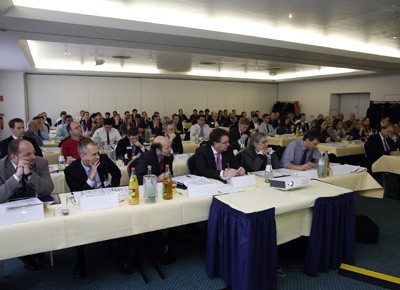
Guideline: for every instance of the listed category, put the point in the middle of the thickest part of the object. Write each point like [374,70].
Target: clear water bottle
[268,170]
[150,186]
[197,139]
[321,169]
[61,161]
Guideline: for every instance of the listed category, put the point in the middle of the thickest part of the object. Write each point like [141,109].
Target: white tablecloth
[293,211]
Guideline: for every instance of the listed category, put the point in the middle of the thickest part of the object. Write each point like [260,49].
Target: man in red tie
[158,157]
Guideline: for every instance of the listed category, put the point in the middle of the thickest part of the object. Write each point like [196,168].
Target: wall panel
[175,96]
[216,96]
[153,96]
[235,97]
[127,94]
[196,96]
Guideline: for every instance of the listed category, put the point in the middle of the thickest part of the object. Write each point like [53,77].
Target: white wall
[314,96]
[54,93]
[12,89]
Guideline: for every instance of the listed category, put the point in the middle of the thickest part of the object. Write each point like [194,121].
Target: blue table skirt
[241,248]
[332,236]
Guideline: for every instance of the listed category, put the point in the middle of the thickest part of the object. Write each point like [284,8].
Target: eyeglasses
[226,142]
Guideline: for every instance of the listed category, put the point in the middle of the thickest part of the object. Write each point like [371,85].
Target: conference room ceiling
[267,41]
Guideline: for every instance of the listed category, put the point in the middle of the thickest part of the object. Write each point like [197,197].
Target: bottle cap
[167,166]
[133,168]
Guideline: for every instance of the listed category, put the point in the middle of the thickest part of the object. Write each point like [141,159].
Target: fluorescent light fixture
[183,15]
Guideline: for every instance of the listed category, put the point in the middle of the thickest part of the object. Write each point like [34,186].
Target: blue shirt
[294,153]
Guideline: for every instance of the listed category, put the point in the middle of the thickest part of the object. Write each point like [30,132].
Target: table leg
[1,269]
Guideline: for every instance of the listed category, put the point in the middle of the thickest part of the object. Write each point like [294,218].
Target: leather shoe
[79,271]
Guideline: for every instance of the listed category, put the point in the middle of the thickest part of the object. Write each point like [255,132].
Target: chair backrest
[132,163]
[187,136]
[191,165]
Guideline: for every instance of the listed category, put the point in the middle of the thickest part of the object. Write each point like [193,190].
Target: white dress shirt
[102,134]
[195,130]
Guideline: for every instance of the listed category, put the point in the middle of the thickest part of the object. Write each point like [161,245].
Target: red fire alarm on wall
[1,98]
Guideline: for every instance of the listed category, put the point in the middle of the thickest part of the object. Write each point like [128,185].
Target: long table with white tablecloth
[387,163]
[293,218]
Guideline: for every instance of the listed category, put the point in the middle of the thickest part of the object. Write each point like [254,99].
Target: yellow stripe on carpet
[369,276]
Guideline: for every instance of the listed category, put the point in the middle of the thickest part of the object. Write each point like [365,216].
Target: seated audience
[117,121]
[182,116]
[350,122]
[16,126]
[380,144]
[266,127]
[23,175]
[302,154]
[158,157]
[126,125]
[358,131]
[70,146]
[178,124]
[284,127]
[62,132]
[201,129]
[131,145]
[60,119]
[43,131]
[302,124]
[254,123]
[32,132]
[107,134]
[155,126]
[336,132]
[214,123]
[99,124]
[216,159]
[143,132]
[90,123]
[175,139]
[255,157]
[321,128]
[239,134]
[47,120]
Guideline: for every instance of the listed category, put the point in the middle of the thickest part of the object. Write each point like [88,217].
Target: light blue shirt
[62,132]
[294,153]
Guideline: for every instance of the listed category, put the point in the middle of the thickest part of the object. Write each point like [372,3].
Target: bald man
[158,157]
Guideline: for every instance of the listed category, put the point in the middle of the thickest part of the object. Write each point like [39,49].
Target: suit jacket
[39,183]
[251,161]
[205,161]
[176,145]
[374,149]
[304,127]
[76,176]
[4,146]
[234,136]
[123,148]
[150,158]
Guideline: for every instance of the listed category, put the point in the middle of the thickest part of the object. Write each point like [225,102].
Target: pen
[188,176]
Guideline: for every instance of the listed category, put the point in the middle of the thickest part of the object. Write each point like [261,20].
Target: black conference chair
[191,165]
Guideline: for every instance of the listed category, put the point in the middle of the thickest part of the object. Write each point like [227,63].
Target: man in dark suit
[17,132]
[47,120]
[90,171]
[158,157]
[378,145]
[131,145]
[239,134]
[175,139]
[22,175]
[216,159]
[302,125]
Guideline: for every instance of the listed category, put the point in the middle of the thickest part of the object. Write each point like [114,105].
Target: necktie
[108,138]
[219,161]
[304,157]
[162,166]
[386,145]
[201,132]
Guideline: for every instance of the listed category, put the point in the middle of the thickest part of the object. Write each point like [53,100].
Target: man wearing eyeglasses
[216,159]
